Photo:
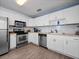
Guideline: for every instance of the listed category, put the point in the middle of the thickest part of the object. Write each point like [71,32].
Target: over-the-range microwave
[20,24]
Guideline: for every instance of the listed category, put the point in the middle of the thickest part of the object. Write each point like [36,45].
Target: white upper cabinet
[42,21]
[31,22]
[66,16]
[71,15]
[11,21]
[39,21]
[55,17]
[52,19]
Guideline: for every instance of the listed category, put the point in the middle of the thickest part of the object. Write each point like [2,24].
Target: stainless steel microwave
[20,24]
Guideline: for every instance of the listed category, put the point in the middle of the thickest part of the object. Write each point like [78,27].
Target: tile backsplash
[67,29]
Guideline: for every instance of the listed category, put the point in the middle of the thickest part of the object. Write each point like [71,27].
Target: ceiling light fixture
[21,2]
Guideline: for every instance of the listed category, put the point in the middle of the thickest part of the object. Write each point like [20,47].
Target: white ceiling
[31,6]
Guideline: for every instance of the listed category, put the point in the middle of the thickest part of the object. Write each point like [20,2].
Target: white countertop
[57,34]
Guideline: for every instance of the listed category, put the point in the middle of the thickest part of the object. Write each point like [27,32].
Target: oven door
[21,38]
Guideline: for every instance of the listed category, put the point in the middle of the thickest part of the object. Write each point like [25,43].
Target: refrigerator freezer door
[3,22]
[3,42]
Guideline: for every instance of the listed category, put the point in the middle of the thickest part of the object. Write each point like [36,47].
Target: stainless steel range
[21,35]
[21,38]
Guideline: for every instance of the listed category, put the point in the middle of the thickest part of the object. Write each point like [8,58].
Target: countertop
[73,35]
[12,32]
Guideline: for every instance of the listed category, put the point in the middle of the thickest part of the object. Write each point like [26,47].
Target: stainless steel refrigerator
[4,41]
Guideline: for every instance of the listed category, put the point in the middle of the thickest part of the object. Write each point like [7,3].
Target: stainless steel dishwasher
[43,40]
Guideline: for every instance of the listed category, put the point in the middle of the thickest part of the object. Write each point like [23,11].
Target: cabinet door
[33,37]
[50,43]
[37,22]
[52,19]
[59,43]
[12,41]
[30,37]
[31,22]
[42,21]
[71,15]
[55,43]
[72,47]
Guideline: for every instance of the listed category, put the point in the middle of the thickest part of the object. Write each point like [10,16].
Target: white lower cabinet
[33,37]
[64,44]
[72,47]
[59,47]
[55,43]
[12,40]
